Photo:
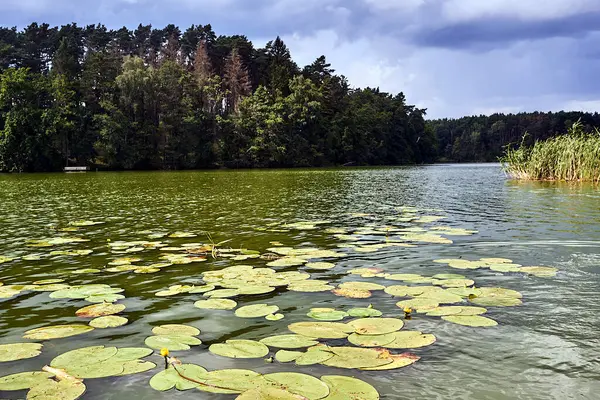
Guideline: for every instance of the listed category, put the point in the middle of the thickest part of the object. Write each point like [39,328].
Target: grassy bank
[571,157]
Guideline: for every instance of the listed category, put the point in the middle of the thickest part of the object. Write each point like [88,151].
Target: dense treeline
[169,99]
[484,138]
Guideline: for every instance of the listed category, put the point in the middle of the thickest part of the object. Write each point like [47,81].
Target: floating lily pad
[202,289]
[240,349]
[172,342]
[364,312]
[104,298]
[315,355]
[320,265]
[456,310]
[327,314]
[253,290]
[173,329]
[496,260]
[376,326]
[353,357]
[228,381]
[310,286]
[56,332]
[216,304]
[255,311]
[403,277]
[19,351]
[505,267]
[449,276]
[284,356]
[23,380]
[399,361]
[303,385]
[542,272]
[322,330]
[274,317]
[287,262]
[268,393]
[361,286]
[289,341]
[68,389]
[371,340]
[136,367]
[470,320]
[99,310]
[348,388]
[170,378]
[48,281]
[419,304]
[110,321]
[410,340]
[352,293]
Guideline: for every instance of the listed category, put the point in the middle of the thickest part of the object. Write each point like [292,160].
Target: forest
[153,98]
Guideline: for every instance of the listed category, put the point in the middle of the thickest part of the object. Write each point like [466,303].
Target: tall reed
[574,156]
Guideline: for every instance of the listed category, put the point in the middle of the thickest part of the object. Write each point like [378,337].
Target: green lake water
[547,348]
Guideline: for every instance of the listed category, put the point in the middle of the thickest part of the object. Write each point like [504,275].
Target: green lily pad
[228,381]
[454,283]
[56,332]
[110,321]
[255,311]
[240,349]
[172,342]
[352,293]
[303,385]
[287,262]
[216,304]
[505,267]
[289,341]
[283,356]
[173,329]
[496,260]
[99,310]
[320,265]
[456,310]
[353,357]
[84,356]
[361,286]
[146,270]
[327,314]
[310,286]
[48,281]
[104,298]
[399,361]
[403,277]
[268,393]
[376,326]
[419,304]
[52,287]
[68,389]
[202,289]
[274,317]
[23,380]
[348,388]
[372,340]
[470,320]
[449,276]
[19,351]
[136,367]
[541,272]
[315,355]
[253,290]
[364,312]
[410,340]
[170,378]
[222,293]
[321,330]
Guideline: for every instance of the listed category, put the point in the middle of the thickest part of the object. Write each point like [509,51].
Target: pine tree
[237,81]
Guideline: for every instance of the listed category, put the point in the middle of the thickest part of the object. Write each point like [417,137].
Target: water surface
[546,348]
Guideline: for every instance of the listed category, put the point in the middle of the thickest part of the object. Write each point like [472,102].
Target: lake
[548,347]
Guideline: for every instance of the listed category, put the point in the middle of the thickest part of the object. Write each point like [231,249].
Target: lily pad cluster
[173,337]
[250,385]
[63,379]
[503,265]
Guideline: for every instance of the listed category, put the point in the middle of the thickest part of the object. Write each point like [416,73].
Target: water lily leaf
[104,298]
[289,341]
[216,304]
[456,310]
[348,388]
[170,378]
[146,270]
[202,289]
[353,357]
[51,287]
[321,330]
[125,354]
[448,276]
[68,389]
[19,351]
[327,314]
[361,286]
[403,277]
[93,355]
[400,361]
[48,281]
[371,340]
[310,286]
[496,260]
[454,283]
[56,332]
[222,293]
[352,293]
[173,329]
[253,290]
[364,312]
[255,311]
[315,355]
[110,321]
[172,342]
[410,340]
[376,326]
[442,297]
[505,267]
[496,301]
[320,265]
[274,317]
[99,310]
[86,271]
[182,235]
[419,304]
[240,349]
[296,383]
[23,380]
[269,393]
[287,262]
[541,272]
[101,370]
[470,320]
[228,381]
[283,356]
[136,367]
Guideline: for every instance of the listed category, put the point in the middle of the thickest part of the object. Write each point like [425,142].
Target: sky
[453,57]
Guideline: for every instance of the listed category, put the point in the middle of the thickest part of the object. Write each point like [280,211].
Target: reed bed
[574,156]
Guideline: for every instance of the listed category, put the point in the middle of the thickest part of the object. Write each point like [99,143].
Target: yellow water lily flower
[164,352]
